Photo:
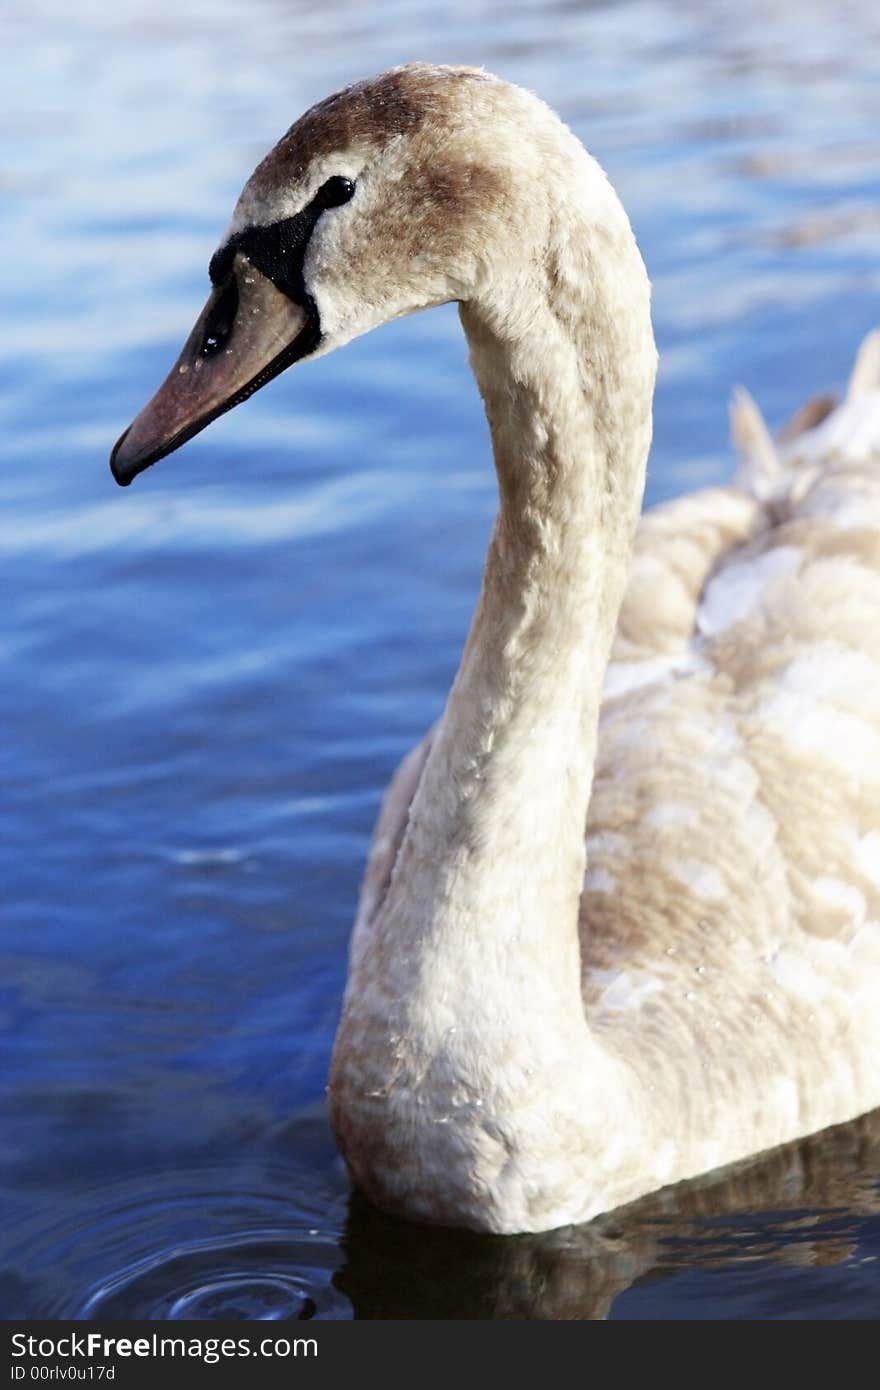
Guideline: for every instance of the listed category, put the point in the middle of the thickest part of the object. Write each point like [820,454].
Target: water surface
[208,679]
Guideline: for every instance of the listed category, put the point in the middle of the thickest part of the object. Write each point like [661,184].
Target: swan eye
[335,191]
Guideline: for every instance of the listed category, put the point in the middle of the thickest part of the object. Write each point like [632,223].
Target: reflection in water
[207,681]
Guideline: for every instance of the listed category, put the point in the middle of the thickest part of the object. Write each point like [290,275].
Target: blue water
[208,679]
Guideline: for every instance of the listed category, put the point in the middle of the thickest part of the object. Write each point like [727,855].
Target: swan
[620,924]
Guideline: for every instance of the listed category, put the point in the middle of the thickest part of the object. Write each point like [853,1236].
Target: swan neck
[564,357]
[518,736]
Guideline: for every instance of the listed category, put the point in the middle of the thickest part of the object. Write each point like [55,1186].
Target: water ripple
[266,1275]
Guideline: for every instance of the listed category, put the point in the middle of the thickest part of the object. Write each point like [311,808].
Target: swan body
[621,918]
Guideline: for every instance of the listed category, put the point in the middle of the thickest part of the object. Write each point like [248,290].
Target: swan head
[402,192]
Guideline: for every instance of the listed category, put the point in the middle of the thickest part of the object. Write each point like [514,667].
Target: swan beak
[247,333]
